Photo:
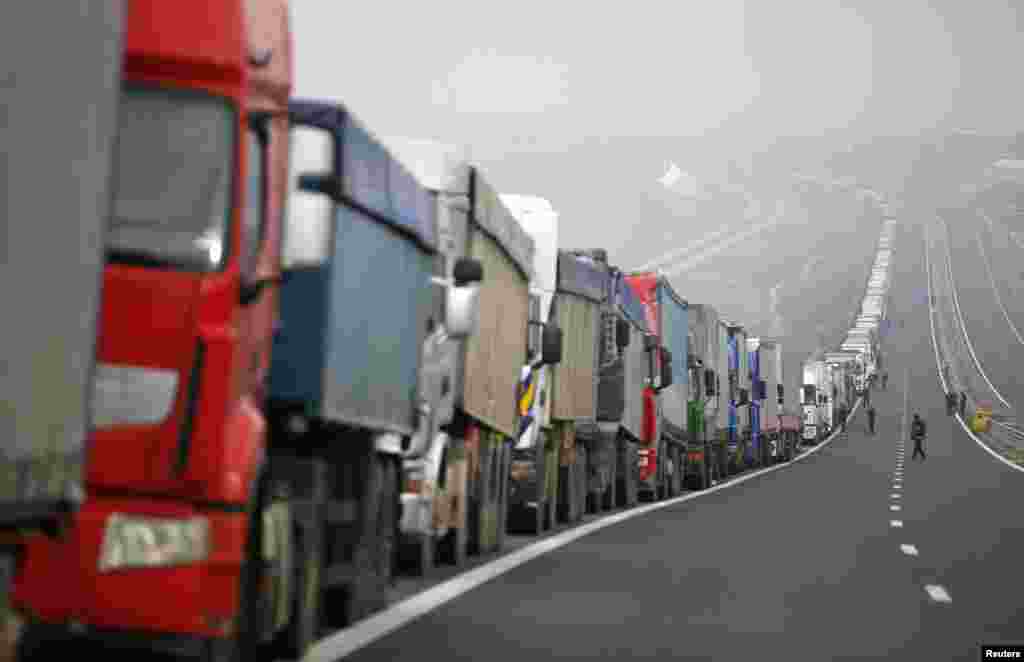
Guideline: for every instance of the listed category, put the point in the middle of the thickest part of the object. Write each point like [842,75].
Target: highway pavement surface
[852,553]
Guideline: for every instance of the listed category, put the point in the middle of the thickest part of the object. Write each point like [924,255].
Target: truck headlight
[147,542]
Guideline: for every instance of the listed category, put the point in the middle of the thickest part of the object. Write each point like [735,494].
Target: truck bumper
[59,583]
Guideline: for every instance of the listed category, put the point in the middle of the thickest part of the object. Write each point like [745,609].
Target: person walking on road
[963,403]
[841,418]
[917,433]
[871,420]
[885,381]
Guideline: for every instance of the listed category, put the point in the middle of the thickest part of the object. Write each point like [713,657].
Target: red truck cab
[157,555]
[645,285]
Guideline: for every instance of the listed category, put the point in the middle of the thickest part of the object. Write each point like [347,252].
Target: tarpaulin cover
[352,358]
[675,330]
[491,214]
[623,373]
[629,302]
[493,358]
[581,276]
[574,385]
[370,177]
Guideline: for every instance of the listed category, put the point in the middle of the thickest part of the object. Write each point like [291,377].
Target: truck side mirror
[462,311]
[551,345]
[323,183]
[781,392]
[666,368]
[467,270]
[622,333]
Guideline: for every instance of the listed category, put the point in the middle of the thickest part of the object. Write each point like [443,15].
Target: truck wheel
[417,555]
[451,549]
[676,484]
[305,625]
[375,553]
[609,497]
[248,642]
[661,491]
[504,466]
[581,482]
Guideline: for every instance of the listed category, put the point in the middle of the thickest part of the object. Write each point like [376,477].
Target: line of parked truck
[318,361]
[834,379]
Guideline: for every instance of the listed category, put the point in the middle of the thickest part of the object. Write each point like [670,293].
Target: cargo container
[49,381]
[623,371]
[773,405]
[703,404]
[634,363]
[723,398]
[580,294]
[758,453]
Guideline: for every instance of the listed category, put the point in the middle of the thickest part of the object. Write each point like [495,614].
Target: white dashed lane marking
[894,508]
[895,523]
[909,550]
[894,495]
[938,593]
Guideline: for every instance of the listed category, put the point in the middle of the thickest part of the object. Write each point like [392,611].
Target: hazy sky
[543,75]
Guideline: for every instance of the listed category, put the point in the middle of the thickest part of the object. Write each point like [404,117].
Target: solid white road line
[895,523]
[909,550]
[894,508]
[938,593]
[942,378]
[995,288]
[960,315]
[369,630]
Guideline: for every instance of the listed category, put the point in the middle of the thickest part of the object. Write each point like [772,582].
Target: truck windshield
[172,199]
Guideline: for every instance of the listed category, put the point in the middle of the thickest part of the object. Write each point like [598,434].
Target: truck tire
[675,484]
[306,624]
[375,553]
[582,485]
[610,494]
[661,482]
[504,467]
[476,492]
[248,644]
[416,555]
[451,549]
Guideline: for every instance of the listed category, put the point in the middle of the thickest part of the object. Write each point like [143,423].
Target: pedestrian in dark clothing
[871,419]
[917,433]
[950,403]
[963,403]
[885,381]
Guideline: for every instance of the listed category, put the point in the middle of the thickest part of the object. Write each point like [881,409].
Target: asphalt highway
[855,552]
